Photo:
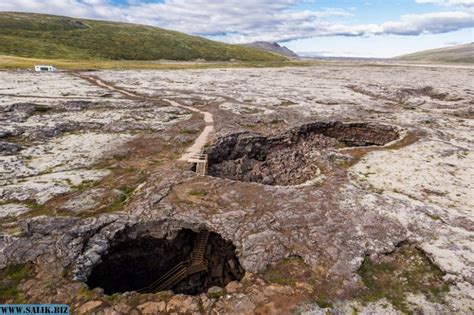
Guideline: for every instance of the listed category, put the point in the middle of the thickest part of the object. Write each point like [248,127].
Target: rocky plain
[331,189]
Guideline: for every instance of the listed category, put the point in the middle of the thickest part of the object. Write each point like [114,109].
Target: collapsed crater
[292,157]
[190,263]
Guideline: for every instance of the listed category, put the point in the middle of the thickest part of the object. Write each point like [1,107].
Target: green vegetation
[279,277]
[286,271]
[85,294]
[460,53]
[250,110]
[407,270]
[216,295]
[276,121]
[10,62]
[344,163]
[287,103]
[434,217]
[56,37]
[198,192]
[125,193]
[126,190]
[188,131]
[10,279]
[323,303]
[84,185]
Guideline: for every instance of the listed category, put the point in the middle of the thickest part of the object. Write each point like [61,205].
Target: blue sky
[356,28]
[377,11]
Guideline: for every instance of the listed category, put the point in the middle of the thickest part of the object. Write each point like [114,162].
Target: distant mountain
[273,47]
[460,53]
[58,37]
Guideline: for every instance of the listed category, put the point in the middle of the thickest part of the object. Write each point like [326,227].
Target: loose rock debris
[290,158]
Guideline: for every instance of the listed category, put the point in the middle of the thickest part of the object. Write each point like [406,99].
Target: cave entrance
[190,264]
[292,157]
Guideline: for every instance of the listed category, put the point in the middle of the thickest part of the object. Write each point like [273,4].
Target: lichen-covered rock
[7,148]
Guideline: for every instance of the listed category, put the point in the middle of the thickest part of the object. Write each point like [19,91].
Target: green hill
[56,37]
[460,53]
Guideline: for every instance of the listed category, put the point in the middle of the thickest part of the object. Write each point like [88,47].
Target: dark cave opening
[290,158]
[190,263]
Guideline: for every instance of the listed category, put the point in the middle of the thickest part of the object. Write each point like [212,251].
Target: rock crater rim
[292,158]
[185,262]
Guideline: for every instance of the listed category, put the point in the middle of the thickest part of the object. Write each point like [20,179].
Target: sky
[351,28]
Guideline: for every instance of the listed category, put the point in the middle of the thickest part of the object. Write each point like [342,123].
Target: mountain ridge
[273,47]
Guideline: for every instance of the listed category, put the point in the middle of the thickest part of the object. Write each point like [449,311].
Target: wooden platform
[201,163]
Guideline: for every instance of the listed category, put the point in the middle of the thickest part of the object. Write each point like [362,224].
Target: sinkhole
[291,157]
[190,263]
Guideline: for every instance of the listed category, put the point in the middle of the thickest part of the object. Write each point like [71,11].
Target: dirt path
[203,138]
[198,145]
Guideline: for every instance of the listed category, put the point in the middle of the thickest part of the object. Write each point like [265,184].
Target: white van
[41,68]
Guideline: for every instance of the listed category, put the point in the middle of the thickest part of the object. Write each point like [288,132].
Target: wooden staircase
[196,263]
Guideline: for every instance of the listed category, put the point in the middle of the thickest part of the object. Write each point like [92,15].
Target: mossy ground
[293,270]
[407,270]
[10,279]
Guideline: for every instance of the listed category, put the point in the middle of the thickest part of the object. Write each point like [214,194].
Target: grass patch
[250,110]
[10,279]
[85,294]
[125,193]
[247,125]
[276,121]
[279,277]
[407,270]
[187,131]
[343,163]
[86,185]
[35,207]
[434,217]
[287,103]
[197,192]
[16,272]
[126,190]
[14,63]
[323,303]
[216,295]
[287,271]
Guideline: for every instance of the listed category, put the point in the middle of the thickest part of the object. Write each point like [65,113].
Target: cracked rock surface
[83,167]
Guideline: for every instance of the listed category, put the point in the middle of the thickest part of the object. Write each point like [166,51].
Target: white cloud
[466,3]
[440,22]
[240,21]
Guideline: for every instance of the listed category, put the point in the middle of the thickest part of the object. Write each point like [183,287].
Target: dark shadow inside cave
[290,158]
[190,264]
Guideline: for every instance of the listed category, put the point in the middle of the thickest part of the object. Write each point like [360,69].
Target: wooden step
[179,272]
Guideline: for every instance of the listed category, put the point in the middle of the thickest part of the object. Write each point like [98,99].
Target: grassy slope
[54,37]
[13,63]
[460,53]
